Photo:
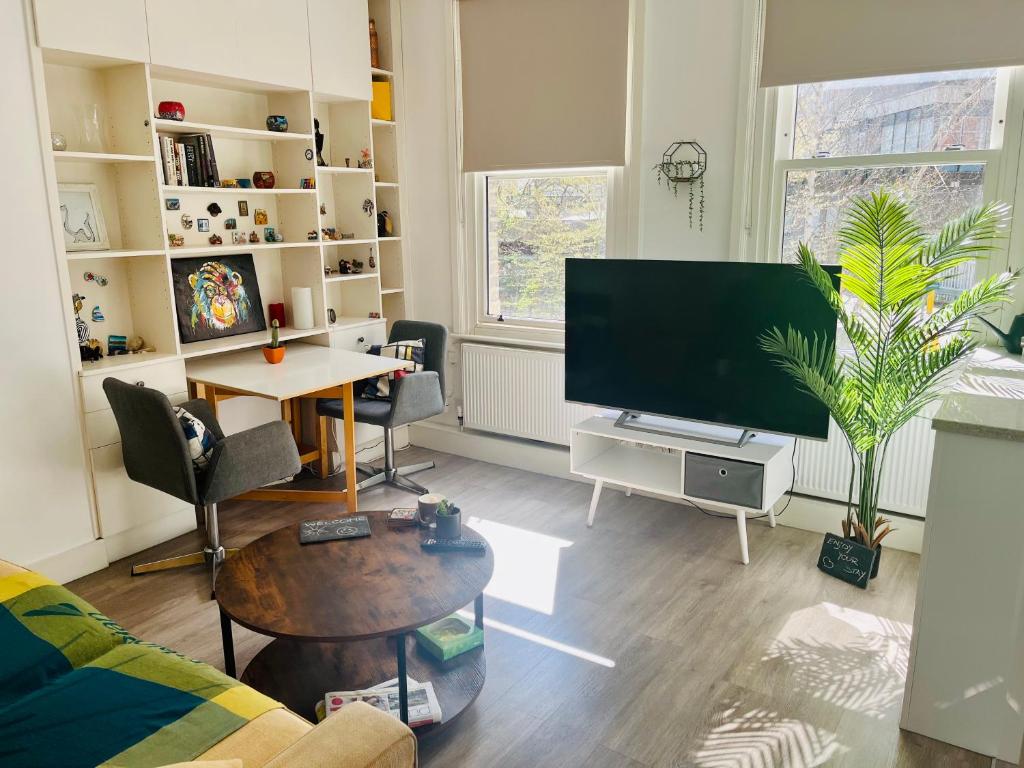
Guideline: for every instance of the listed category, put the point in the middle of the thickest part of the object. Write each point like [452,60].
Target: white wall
[692,53]
[44,503]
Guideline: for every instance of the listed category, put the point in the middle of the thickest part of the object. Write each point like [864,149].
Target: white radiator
[518,392]
[823,469]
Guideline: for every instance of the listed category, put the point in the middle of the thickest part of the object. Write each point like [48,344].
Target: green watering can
[1010,339]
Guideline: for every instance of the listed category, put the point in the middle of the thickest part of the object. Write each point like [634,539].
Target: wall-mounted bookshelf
[106,112]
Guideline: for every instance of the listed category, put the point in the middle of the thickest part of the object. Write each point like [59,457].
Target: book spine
[167,153]
[214,175]
[191,170]
[179,163]
[204,159]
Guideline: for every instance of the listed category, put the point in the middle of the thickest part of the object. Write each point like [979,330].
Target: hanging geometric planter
[684,162]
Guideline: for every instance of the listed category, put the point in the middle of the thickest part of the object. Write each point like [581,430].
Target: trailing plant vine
[689,171]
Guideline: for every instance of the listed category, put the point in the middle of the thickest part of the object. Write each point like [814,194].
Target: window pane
[816,202]
[880,115]
[533,225]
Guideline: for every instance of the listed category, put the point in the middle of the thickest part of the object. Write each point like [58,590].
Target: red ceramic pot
[263,180]
[171,110]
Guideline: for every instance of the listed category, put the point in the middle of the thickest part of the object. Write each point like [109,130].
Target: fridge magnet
[260,218]
[186,221]
[203,225]
[172,204]
[243,208]
[230,224]
[97,314]
[216,239]
[214,209]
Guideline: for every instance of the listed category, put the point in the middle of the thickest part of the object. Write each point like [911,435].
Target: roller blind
[543,83]
[810,41]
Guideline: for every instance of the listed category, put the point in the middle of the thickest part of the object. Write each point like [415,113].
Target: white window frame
[475,233]
[776,114]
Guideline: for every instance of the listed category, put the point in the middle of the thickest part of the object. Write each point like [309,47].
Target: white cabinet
[339,46]
[113,28]
[265,41]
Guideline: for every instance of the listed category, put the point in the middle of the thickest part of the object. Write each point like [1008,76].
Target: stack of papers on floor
[423,706]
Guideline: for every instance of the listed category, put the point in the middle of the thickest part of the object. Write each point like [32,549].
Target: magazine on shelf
[423,706]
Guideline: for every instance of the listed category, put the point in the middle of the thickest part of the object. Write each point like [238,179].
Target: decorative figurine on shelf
[117,345]
[239,238]
[277,123]
[229,183]
[373,261]
[374,46]
[170,110]
[385,225]
[175,240]
[243,183]
[329,270]
[254,237]
[311,235]
[347,267]
[368,207]
[263,180]
[271,235]
[58,142]
[374,315]
[216,239]
[365,160]
[323,209]
[214,209]
[357,267]
[81,327]
[91,351]
[274,352]
[329,233]
[319,143]
[137,344]
[230,224]
[172,204]
[97,314]
[348,162]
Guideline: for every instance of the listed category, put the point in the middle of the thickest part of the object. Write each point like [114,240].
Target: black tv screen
[680,339]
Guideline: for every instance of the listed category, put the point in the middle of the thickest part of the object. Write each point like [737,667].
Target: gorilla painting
[217,298]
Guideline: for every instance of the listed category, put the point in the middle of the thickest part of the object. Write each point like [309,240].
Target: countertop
[988,399]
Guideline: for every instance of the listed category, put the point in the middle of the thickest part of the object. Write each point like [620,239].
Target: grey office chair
[414,397]
[156,454]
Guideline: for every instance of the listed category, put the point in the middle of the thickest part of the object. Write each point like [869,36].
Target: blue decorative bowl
[244,183]
[278,123]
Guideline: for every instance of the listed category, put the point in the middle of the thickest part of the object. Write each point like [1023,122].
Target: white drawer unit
[124,504]
[166,375]
[359,338]
[101,427]
[747,479]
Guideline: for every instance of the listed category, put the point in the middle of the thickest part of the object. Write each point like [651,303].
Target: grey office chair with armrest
[156,454]
[414,397]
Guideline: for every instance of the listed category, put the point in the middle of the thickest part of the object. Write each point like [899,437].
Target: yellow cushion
[258,741]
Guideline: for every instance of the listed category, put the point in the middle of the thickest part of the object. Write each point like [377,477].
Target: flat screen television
[680,339]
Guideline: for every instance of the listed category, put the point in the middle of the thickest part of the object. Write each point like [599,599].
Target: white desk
[309,371]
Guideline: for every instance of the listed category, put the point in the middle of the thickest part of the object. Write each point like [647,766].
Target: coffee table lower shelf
[298,674]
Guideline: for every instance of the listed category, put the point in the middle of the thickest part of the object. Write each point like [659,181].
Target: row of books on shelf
[190,161]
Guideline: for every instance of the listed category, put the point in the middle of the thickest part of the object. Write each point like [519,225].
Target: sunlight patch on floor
[759,738]
[848,658]
[547,642]
[525,564]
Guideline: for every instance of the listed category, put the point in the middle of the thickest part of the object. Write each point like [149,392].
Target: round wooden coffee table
[343,613]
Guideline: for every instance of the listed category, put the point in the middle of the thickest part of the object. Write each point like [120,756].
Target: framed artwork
[216,298]
[82,218]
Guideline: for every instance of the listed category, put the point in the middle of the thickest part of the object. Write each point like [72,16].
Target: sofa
[78,690]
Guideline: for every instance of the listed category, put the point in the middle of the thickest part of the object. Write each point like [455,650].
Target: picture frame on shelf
[216,297]
[82,218]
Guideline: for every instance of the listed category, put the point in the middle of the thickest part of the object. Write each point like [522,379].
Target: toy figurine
[216,239]
[319,143]
[311,235]
[366,161]
[254,237]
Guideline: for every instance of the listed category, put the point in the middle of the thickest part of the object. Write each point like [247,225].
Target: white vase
[302,308]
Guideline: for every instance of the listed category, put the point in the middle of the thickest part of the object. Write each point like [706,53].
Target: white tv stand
[747,479]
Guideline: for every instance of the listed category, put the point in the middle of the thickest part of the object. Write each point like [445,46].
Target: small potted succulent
[274,352]
[449,521]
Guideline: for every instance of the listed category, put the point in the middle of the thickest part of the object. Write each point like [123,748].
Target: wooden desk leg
[208,393]
[286,412]
[297,420]
[322,447]
[349,426]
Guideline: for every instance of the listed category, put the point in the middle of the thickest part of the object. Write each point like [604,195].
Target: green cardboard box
[449,637]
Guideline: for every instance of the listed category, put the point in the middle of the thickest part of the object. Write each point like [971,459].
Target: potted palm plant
[903,357]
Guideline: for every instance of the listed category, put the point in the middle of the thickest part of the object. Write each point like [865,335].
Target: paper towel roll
[302,308]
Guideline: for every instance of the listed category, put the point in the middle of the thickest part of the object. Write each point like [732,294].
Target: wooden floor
[640,642]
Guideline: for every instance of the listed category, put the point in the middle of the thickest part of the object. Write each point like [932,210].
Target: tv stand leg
[771,517]
[741,524]
[593,502]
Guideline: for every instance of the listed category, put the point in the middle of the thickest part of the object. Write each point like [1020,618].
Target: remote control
[468,546]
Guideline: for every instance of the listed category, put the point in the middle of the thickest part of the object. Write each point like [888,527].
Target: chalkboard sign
[846,559]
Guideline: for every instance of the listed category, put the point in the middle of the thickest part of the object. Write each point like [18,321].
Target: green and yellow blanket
[77,689]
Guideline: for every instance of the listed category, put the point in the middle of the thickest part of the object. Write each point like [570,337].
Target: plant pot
[449,526]
[263,180]
[273,355]
[878,557]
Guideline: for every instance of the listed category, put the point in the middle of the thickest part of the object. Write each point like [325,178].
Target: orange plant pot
[273,355]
